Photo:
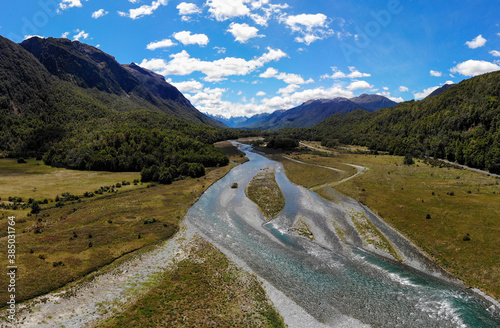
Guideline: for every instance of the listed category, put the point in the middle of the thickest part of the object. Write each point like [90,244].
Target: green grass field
[63,244]
[459,202]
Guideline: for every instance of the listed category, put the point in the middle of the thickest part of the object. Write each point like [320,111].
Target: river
[336,281]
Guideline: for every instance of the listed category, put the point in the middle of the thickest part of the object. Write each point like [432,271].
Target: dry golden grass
[82,236]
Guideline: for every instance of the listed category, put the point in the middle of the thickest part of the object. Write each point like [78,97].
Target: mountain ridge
[315,111]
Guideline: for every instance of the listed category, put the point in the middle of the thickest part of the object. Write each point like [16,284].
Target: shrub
[428,216]
[408,160]
[149,220]
[21,160]
[35,208]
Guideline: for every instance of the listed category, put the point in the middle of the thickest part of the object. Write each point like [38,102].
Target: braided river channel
[335,278]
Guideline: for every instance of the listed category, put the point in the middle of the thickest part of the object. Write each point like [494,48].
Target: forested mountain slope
[83,110]
[462,124]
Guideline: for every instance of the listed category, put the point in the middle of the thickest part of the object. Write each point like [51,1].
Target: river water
[340,281]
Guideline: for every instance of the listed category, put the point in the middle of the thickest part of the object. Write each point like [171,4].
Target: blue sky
[243,57]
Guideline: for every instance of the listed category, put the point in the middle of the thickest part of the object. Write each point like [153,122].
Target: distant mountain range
[309,113]
[238,122]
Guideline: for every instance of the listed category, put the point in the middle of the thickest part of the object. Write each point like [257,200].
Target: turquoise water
[330,279]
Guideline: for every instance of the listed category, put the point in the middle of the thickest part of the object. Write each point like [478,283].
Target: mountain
[439,91]
[461,124]
[78,108]
[90,68]
[239,121]
[373,102]
[313,112]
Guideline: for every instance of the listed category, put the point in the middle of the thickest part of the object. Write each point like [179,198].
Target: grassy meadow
[63,244]
[451,214]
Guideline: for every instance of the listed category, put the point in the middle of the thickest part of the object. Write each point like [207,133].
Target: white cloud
[26,37]
[425,93]
[220,50]
[81,34]
[478,42]
[436,73]
[243,32]
[190,86]
[260,94]
[403,89]
[65,35]
[99,13]
[308,21]
[187,9]
[186,38]
[144,10]
[285,77]
[66,4]
[474,67]
[183,64]
[385,88]
[312,27]
[388,95]
[495,53]
[226,9]
[356,85]
[337,74]
[160,44]
[291,88]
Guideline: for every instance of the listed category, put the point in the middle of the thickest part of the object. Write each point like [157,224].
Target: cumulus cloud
[144,10]
[436,73]
[80,34]
[312,27]
[190,86]
[474,67]
[160,44]
[65,35]
[186,9]
[26,37]
[388,95]
[99,13]
[66,4]
[356,85]
[478,42]
[425,93]
[260,94]
[337,74]
[226,9]
[495,53]
[403,89]
[243,32]
[183,64]
[186,38]
[285,77]
[291,88]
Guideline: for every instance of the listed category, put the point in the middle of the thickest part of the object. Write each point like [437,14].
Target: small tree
[35,208]
[408,160]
